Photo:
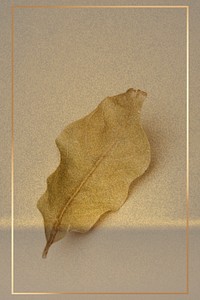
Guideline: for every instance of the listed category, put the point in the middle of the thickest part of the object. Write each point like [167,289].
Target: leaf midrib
[56,224]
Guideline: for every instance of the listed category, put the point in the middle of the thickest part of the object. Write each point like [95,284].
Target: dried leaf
[101,154]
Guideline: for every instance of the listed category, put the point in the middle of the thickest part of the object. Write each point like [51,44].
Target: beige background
[66,62]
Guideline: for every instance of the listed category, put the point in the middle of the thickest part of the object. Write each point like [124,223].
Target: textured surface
[66,62]
[61,59]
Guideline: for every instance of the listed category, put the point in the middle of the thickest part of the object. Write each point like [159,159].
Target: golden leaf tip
[135,93]
[144,94]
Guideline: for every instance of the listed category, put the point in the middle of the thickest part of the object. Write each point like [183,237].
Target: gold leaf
[100,155]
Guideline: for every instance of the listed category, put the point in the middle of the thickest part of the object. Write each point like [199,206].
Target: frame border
[13,7]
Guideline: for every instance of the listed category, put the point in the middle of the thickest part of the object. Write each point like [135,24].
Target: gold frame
[13,7]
